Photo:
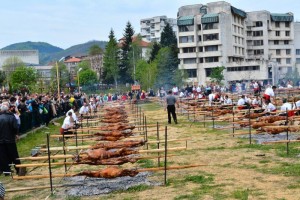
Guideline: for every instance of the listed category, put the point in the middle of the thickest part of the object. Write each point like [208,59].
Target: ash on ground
[85,186]
[261,138]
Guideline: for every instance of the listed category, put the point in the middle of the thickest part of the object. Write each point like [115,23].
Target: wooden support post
[250,126]
[64,150]
[287,132]
[166,151]
[212,112]
[158,159]
[49,163]
[233,127]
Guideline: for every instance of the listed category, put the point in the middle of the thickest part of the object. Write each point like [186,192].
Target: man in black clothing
[8,137]
[170,106]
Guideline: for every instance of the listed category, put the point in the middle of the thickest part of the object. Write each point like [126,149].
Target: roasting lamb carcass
[118,126]
[109,172]
[274,130]
[116,145]
[96,154]
[271,119]
[110,161]
[116,133]
[114,121]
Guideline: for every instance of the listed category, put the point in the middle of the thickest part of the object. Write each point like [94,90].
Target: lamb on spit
[271,119]
[96,154]
[116,145]
[114,121]
[116,133]
[118,126]
[109,161]
[109,172]
[116,116]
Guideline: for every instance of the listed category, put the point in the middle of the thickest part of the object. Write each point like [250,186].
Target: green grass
[286,169]
[37,138]
[241,194]
[138,188]
[21,197]
[72,198]
[146,163]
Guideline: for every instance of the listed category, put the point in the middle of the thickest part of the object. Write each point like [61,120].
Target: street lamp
[78,79]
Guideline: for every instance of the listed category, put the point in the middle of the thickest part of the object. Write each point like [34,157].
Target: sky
[64,23]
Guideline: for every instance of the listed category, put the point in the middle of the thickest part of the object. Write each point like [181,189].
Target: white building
[297,44]
[249,44]
[27,56]
[151,28]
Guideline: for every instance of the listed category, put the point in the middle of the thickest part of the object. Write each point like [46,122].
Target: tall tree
[23,78]
[134,55]
[111,60]
[87,77]
[154,51]
[126,44]
[168,37]
[9,66]
[2,78]
[95,50]
[167,67]
[146,73]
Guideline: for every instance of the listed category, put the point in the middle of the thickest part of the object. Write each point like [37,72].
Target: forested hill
[48,52]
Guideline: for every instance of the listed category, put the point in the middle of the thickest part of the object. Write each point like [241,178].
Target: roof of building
[238,12]
[279,17]
[134,39]
[73,59]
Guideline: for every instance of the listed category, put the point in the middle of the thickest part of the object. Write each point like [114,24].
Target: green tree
[167,67]
[294,76]
[168,37]
[154,51]
[84,65]
[9,66]
[124,62]
[23,78]
[2,78]
[134,55]
[111,60]
[217,74]
[87,77]
[146,73]
[63,74]
[95,50]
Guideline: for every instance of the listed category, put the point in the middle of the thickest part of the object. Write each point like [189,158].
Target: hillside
[79,49]
[48,52]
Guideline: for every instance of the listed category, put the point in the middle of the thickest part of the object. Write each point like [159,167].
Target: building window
[192,73]
[200,60]
[297,51]
[249,33]
[208,72]
[277,33]
[277,24]
[276,42]
[211,48]
[257,33]
[287,24]
[278,60]
[258,52]
[277,51]
[189,60]
[186,28]
[209,37]
[199,27]
[288,61]
[258,42]
[189,50]
[298,60]
[258,24]
[186,39]
[199,38]
[210,26]
[211,59]
[288,52]
[200,49]
[287,33]
[286,42]
[243,68]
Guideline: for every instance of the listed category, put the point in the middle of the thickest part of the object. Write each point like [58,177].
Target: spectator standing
[8,136]
[170,106]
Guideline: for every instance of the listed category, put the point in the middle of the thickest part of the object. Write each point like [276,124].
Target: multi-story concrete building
[297,44]
[255,45]
[27,56]
[151,28]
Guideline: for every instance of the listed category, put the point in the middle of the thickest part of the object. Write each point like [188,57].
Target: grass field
[235,169]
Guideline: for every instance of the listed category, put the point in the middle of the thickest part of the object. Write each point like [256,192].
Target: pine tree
[154,51]
[111,60]
[168,37]
[125,63]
